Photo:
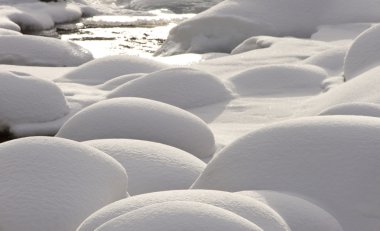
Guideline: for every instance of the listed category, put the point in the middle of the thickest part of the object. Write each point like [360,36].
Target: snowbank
[246,207]
[226,25]
[118,81]
[359,109]
[298,213]
[54,184]
[142,119]
[180,87]
[179,215]
[332,161]
[27,99]
[363,54]
[279,80]
[101,70]
[152,166]
[27,50]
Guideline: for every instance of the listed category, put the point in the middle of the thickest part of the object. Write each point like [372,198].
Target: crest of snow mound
[118,81]
[298,213]
[359,109]
[8,32]
[277,80]
[27,50]
[245,207]
[180,87]
[179,215]
[101,70]
[53,184]
[152,166]
[331,160]
[142,119]
[27,99]
[226,25]
[363,54]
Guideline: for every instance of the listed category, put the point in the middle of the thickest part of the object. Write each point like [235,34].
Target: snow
[359,109]
[243,206]
[143,119]
[8,32]
[363,54]
[180,87]
[26,50]
[118,81]
[277,80]
[178,6]
[180,215]
[332,61]
[299,214]
[329,160]
[104,69]
[53,184]
[152,166]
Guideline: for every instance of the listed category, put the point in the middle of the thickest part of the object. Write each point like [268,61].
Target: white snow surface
[179,215]
[178,6]
[41,51]
[359,109]
[328,160]
[152,166]
[8,32]
[118,81]
[142,119]
[243,206]
[299,214]
[180,87]
[53,183]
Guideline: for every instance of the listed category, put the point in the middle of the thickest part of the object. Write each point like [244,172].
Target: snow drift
[359,109]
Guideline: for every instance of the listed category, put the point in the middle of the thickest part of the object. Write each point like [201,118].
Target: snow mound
[26,50]
[142,119]
[332,61]
[340,32]
[298,213]
[246,207]
[54,184]
[101,70]
[27,99]
[179,215]
[8,32]
[331,160]
[363,54]
[152,166]
[178,6]
[359,109]
[224,26]
[118,81]
[180,87]
[277,80]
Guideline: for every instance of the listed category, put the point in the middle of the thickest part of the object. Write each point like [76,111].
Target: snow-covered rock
[54,184]
[363,54]
[27,99]
[332,61]
[340,32]
[27,50]
[152,166]
[359,109]
[246,207]
[104,69]
[298,213]
[118,81]
[279,80]
[179,215]
[332,161]
[8,32]
[180,87]
[142,119]
[178,6]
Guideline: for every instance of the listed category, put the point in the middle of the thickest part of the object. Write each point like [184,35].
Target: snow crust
[142,119]
[180,87]
[328,160]
[53,183]
[245,207]
[152,166]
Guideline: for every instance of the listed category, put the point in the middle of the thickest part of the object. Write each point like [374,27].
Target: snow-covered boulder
[246,207]
[27,50]
[363,54]
[277,80]
[299,214]
[178,6]
[8,32]
[332,60]
[332,160]
[142,119]
[27,99]
[152,166]
[118,81]
[101,70]
[358,109]
[180,87]
[54,184]
[179,215]
[224,26]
